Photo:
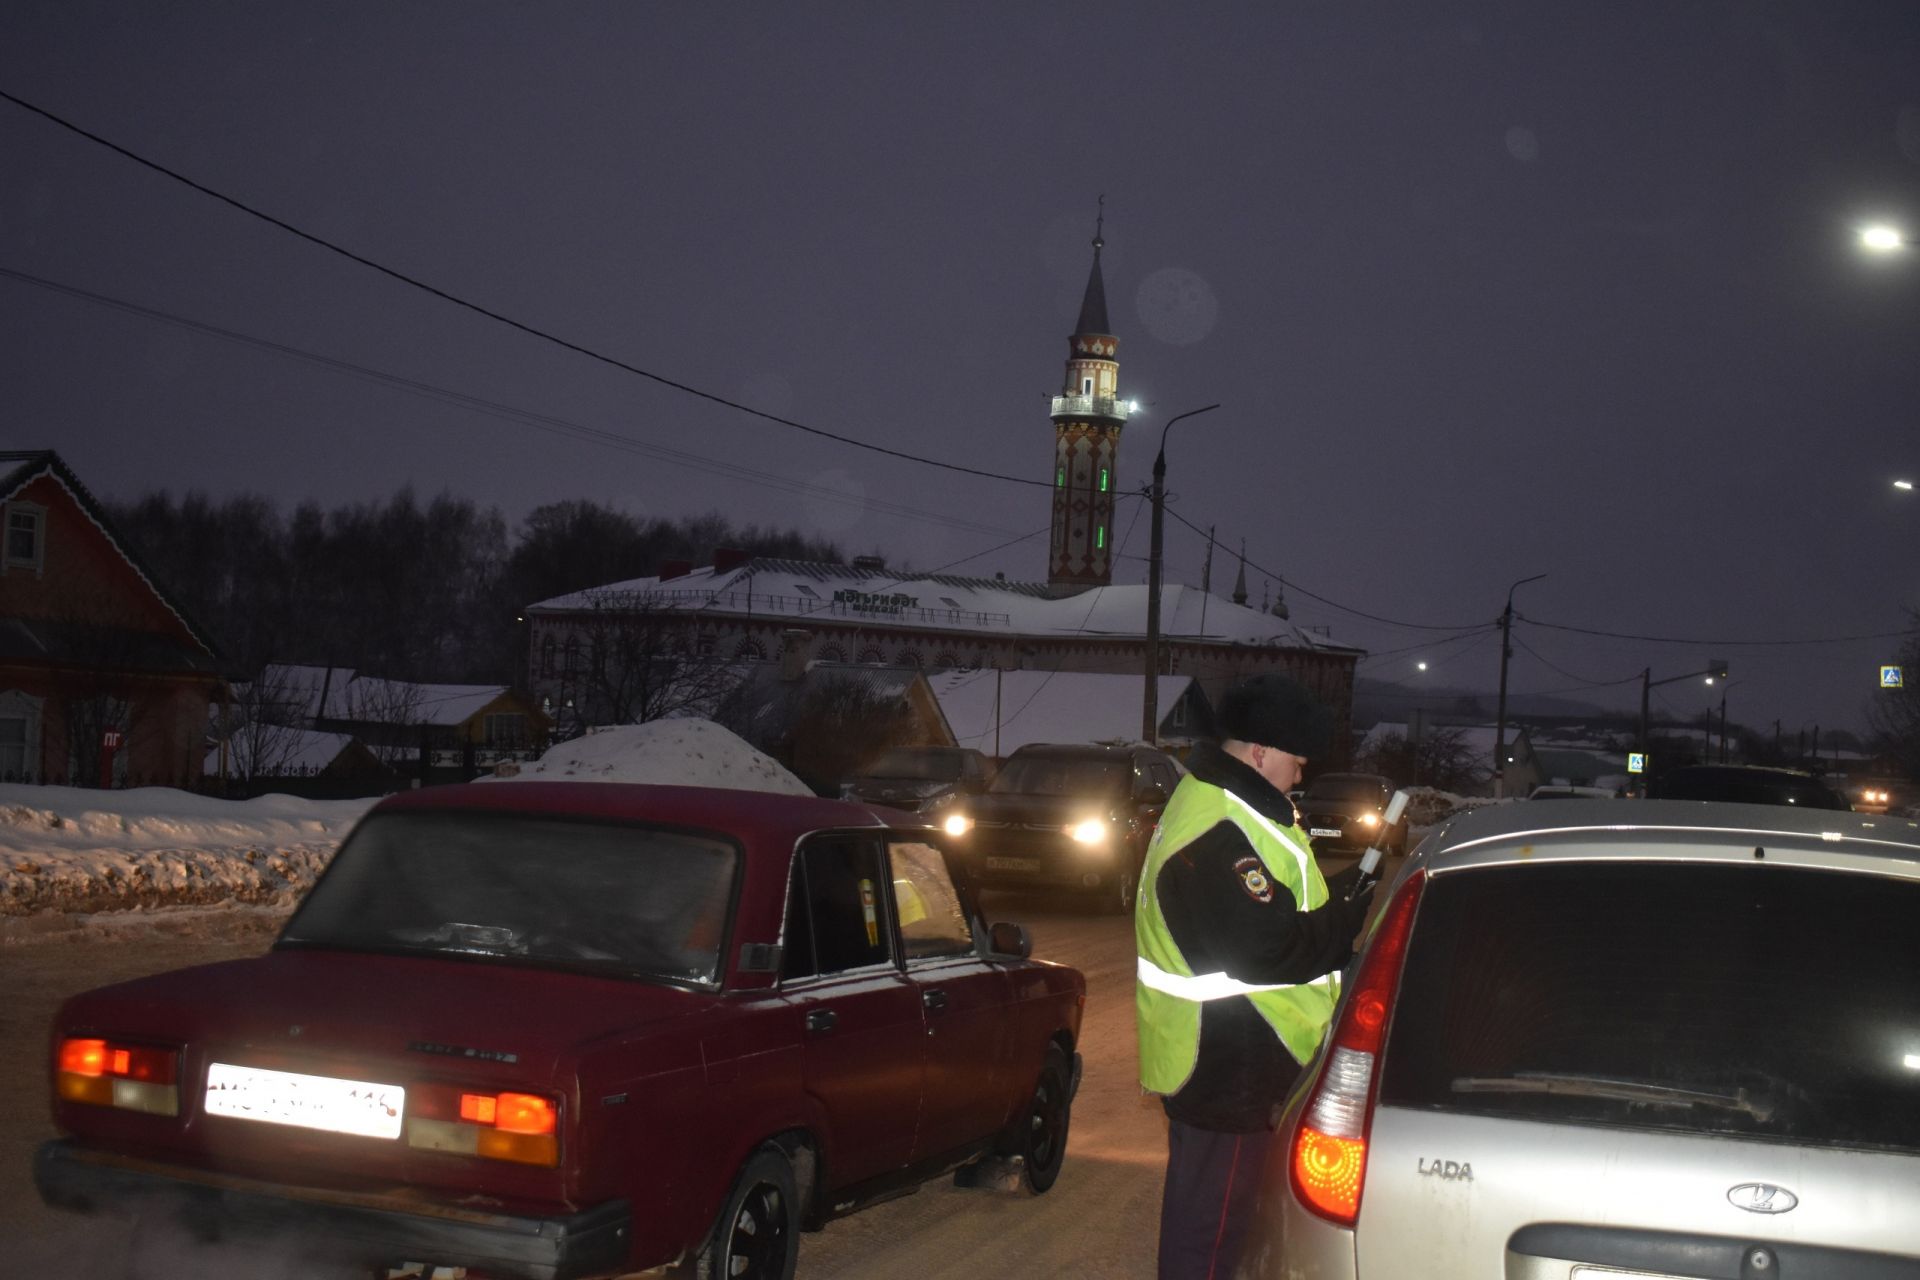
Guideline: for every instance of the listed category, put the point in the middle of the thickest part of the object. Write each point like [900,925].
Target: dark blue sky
[1484,290]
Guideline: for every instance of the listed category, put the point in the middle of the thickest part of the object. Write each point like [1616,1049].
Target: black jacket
[1219,924]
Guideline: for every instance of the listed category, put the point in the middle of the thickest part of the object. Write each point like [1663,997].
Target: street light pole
[1500,717]
[1150,706]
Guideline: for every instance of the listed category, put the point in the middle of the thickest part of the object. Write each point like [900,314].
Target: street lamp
[1500,719]
[1716,670]
[1150,708]
[1881,238]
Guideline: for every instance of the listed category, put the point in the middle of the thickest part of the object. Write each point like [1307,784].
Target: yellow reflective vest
[1168,994]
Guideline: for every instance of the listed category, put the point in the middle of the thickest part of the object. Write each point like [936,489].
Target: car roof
[1599,829]
[1096,749]
[752,815]
[1746,770]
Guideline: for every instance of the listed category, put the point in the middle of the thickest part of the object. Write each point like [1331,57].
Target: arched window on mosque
[832,653]
[873,657]
[749,650]
[945,660]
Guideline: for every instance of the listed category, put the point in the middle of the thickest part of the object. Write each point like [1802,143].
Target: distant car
[1066,817]
[559,1030]
[1745,784]
[1608,1040]
[1342,813]
[921,779]
[1559,792]
[1874,795]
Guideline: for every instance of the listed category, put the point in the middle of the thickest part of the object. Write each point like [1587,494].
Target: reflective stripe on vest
[1213,986]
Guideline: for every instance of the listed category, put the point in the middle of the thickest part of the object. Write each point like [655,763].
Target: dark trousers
[1213,1180]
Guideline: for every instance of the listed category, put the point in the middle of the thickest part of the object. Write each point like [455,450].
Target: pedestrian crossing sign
[1892,678]
[1636,762]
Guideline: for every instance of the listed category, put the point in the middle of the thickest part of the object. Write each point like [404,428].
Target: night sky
[1483,291]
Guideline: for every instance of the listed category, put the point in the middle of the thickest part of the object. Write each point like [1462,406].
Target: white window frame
[37,562]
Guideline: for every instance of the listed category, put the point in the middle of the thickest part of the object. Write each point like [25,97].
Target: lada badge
[1762,1197]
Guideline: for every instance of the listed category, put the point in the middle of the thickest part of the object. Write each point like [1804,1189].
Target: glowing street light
[1904,484]
[1881,238]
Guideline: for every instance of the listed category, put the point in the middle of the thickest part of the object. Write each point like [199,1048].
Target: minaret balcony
[1092,407]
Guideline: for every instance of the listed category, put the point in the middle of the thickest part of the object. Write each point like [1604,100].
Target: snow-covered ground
[68,853]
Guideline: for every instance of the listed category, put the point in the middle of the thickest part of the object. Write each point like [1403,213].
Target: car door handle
[822,1020]
[935,1000]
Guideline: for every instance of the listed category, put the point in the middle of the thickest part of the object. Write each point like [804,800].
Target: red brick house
[104,681]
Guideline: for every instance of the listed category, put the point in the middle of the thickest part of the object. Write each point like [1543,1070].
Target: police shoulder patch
[1253,878]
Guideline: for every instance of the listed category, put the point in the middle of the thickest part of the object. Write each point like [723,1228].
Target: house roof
[281,748]
[1047,706]
[768,588]
[404,701]
[19,468]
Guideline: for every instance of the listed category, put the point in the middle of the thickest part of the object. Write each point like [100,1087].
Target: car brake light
[1329,1158]
[521,1127]
[104,1073]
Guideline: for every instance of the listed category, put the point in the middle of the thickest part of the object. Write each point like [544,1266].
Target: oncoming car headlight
[1369,819]
[1091,831]
[956,824]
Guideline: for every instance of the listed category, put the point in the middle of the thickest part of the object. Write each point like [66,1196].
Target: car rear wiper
[1647,1091]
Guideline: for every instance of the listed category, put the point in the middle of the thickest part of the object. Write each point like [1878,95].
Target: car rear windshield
[924,766]
[1061,776]
[524,889]
[1747,999]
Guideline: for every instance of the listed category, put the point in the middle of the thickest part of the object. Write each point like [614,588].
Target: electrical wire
[497,316]
[1584,683]
[1745,644]
[493,408]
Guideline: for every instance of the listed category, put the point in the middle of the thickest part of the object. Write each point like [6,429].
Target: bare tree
[260,725]
[386,714]
[628,661]
[1441,758]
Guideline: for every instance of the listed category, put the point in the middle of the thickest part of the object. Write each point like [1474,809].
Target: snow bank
[67,851]
[694,753]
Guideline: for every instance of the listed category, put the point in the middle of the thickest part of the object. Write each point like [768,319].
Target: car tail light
[1329,1156]
[521,1127]
[108,1073]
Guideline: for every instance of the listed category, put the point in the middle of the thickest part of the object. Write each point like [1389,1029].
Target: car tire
[1039,1134]
[758,1233]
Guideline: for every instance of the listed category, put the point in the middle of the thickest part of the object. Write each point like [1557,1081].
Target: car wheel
[1040,1135]
[757,1236]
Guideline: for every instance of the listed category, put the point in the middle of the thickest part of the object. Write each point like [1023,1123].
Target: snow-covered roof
[770,588]
[281,750]
[683,752]
[405,701]
[1047,706]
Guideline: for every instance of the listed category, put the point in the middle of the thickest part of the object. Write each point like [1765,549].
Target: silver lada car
[1606,1040]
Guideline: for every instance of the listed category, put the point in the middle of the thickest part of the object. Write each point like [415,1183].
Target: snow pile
[66,849]
[694,753]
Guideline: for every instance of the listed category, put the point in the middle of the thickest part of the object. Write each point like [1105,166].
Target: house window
[749,650]
[13,748]
[1086,386]
[872,656]
[25,546]
[506,729]
[833,653]
[546,657]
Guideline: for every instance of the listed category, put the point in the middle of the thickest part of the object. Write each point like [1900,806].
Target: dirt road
[1099,1220]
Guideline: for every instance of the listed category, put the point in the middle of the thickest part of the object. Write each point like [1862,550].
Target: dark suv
[1065,817]
[920,779]
[1746,784]
[1343,812]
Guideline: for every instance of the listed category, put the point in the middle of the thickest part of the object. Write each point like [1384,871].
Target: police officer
[1240,941]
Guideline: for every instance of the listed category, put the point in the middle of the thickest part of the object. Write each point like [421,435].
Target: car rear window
[1746,999]
[606,896]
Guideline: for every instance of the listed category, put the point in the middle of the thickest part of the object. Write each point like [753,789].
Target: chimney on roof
[727,559]
[794,645]
[675,569]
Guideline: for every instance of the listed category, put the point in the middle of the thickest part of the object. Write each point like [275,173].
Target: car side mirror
[1006,939]
[1153,795]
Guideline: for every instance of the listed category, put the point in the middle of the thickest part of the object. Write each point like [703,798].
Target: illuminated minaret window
[1087,417]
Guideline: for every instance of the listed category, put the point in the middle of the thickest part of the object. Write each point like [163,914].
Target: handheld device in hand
[1370,860]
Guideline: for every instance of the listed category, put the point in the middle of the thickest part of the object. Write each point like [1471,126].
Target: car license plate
[1013,864]
[365,1108]
[1332,832]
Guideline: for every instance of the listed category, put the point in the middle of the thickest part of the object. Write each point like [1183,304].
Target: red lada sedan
[553,1030]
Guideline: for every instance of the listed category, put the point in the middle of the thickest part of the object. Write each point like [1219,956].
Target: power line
[1584,683]
[494,408]
[1332,604]
[497,316]
[1744,644]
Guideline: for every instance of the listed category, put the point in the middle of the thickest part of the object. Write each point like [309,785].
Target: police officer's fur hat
[1273,711]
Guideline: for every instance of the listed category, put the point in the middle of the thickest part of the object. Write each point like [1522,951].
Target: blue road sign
[1636,762]
[1892,678]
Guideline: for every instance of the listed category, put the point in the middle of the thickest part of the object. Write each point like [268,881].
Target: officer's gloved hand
[1341,883]
[1358,909]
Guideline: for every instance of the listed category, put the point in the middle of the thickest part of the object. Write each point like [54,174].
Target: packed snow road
[1099,1220]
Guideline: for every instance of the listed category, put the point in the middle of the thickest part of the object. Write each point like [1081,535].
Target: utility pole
[1500,717]
[1150,706]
